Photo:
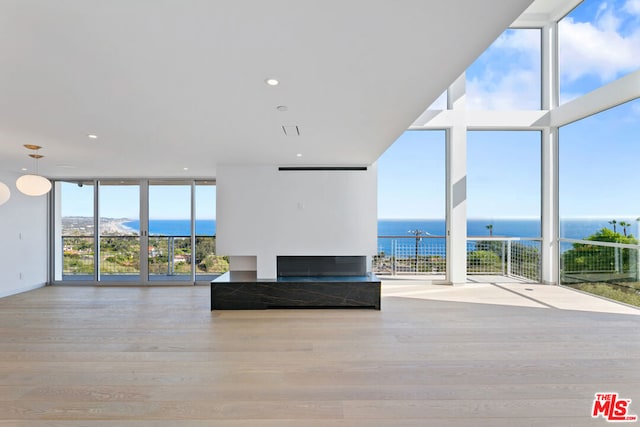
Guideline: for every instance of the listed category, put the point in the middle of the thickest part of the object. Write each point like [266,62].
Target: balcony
[607,269]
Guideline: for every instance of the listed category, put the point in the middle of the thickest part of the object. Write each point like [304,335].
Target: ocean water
[176,227]
[571,228]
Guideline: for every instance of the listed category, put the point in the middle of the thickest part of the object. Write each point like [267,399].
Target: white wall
[23,241]
[264,212]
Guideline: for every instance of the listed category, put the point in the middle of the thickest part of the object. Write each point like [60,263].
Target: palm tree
[624,226]
[613,222]
[490,228]
[418,234]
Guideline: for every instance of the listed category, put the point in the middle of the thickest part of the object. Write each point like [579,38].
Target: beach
[84,226]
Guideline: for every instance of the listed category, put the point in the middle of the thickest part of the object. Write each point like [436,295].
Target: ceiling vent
[291,130]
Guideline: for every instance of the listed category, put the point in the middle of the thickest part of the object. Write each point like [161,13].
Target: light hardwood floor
[127,356]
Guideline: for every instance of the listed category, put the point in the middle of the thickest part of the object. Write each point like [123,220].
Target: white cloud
[518,90]
[604,49]
[598,48]
[510,79]
[523,41]
[632,7]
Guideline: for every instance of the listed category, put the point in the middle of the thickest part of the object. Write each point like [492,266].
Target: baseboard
[9,292]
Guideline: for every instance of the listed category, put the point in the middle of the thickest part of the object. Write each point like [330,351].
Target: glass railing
[120,256]
[77,257]
[207,262]
[607,269]
[169,257]
[172,256]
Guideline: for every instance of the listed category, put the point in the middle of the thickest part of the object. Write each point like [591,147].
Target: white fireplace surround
[263,213]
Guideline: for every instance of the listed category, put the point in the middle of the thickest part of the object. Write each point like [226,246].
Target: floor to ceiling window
[207,264]
[169,246]
[119,231]
[144,231]
[599,209]
[74,238]
[411,205]
[503,203]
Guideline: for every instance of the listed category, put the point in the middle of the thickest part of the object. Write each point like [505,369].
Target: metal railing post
[170,249]
[503,258]
[393,257]
[508,258]
[637,278]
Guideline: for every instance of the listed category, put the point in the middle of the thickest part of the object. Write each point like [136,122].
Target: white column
[456,183]
[550,71]
[550,223]
[549,174]
[58,249]
[144,232]
[457,205]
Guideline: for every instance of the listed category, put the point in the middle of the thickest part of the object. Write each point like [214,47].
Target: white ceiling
[173,84]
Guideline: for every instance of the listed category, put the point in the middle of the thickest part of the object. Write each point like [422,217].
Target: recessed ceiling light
[271,81]
[299,155]
[185,169]
[92,136]
[24,169]
[282,108]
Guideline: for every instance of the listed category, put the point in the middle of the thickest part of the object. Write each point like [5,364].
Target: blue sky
[599,42]
[123,201]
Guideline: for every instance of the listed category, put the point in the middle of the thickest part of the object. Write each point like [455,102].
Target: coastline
[84,226]
[115,226]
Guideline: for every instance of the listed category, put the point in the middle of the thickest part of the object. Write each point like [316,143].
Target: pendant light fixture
[5,193]
[33,185]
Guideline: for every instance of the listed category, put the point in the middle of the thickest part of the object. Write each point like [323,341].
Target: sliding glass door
[143,231]
[208,265]
[74,239]
[119,231]
[169,249]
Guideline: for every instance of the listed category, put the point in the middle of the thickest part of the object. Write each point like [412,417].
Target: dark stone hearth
[241,290]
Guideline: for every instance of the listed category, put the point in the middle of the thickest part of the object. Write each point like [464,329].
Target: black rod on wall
[322,168]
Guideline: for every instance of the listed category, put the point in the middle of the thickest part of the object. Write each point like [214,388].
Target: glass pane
[597,170]
[507,76]
[598,42]
[606,269]
[208,264]
[598,157]
[411,205]
[119,205]
[74,246]
[169,231]
[503,183]
[503,203]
